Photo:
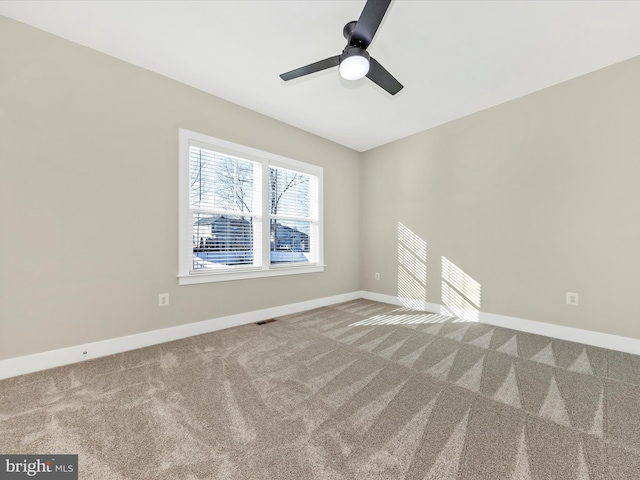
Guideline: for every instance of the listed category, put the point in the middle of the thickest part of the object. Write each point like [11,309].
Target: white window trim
[186,276]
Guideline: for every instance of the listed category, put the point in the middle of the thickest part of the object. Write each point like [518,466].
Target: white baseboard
[13,367]
[54,358]
[588,337]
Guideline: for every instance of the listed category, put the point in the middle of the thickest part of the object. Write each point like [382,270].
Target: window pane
[221,240]
[289,193]
[220,182]
[290,241]
[231,226]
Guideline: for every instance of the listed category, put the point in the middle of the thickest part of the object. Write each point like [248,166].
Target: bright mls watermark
[50,467]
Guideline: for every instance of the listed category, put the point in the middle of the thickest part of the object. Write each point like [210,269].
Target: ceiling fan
[354,60]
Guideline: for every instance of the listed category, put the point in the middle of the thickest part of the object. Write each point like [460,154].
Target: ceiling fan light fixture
[354,63]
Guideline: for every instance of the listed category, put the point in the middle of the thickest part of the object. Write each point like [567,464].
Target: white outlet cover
[573,299]
[163,299]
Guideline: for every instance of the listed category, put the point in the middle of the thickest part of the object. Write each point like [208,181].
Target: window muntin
[245,213]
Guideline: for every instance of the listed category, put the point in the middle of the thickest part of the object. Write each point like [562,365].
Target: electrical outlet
[572,299]
[163,300]
[377,276]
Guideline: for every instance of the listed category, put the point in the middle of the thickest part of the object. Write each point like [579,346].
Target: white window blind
[293,216]
[225,212]
[246,213]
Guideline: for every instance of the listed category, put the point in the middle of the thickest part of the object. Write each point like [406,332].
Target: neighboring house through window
[245,213]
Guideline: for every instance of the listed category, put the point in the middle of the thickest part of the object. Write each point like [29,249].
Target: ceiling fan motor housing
[348,30]
[350,51]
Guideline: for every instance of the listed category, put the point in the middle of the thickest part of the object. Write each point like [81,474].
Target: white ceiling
[453,57]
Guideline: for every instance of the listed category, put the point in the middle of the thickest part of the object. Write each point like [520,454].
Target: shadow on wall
[460,293]
[412,269]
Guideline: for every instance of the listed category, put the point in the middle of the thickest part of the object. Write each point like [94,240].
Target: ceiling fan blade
[311,68]
[368,23]
[380,76]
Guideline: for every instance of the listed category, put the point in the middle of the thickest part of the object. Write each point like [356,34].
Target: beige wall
[532,199]
[88,161]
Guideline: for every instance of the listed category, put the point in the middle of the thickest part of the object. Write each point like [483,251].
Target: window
[245,213]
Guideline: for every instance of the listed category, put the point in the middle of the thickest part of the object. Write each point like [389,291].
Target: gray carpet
[360,390]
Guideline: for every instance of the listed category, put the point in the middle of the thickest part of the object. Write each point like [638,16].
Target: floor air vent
[264,322]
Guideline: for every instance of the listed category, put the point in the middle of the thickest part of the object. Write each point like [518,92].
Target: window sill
[209,277]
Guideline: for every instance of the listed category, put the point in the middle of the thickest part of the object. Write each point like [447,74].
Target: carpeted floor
[360,390]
